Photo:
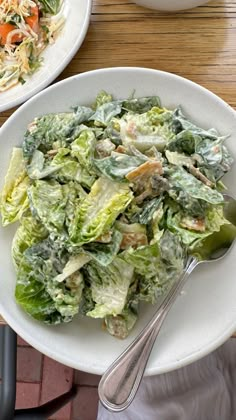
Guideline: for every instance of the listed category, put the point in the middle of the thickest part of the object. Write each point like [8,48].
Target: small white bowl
[170,5]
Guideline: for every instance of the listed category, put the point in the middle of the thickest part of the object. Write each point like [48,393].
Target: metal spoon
[121,381]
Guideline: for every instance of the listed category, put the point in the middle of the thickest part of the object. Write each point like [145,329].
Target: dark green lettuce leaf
[118,165]
[50,6]
[40,290]
[112,132]
[181,123]
[141,105]
[104,253]
[148,210]
[193,196]
[61,128]
[185,142]
[213,158]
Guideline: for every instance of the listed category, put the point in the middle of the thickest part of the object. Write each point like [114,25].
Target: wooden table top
[199,44]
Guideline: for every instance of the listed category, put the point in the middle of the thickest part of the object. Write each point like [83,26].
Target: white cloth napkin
[204,390]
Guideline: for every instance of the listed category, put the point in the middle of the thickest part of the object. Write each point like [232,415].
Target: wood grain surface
[199,44]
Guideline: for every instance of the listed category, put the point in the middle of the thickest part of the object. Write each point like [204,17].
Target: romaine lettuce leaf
[48,201]
[70,169]
[175,158]
[157,231]
[63,167]
[171,265]
[101,99]
[105,112]
[146,130]
[112,131]
[75,195]
[145,260]
[28,233]
[172,251]
[37,168]
[14,199]
[121,325]
[98,211]
[83,148]
[34,299]
[87,303]
[109,287]
[158,265]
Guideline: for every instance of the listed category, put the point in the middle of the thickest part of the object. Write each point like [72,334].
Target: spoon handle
[121,381]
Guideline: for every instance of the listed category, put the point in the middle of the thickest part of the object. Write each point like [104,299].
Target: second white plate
[56,56]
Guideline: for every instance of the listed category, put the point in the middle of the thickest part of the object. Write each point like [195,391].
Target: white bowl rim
[150,371]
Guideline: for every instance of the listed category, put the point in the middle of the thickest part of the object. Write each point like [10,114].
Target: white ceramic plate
[205,315]
[56,56]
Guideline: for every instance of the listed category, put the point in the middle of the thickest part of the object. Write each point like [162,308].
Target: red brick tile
[57,379]
[83,378]
[27,395]
[28,364]
[21,342]
[85,405]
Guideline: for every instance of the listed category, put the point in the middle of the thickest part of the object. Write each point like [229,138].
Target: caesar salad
[111,199]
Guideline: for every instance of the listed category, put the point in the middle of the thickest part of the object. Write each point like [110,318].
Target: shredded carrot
[5,29]
[33,19]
